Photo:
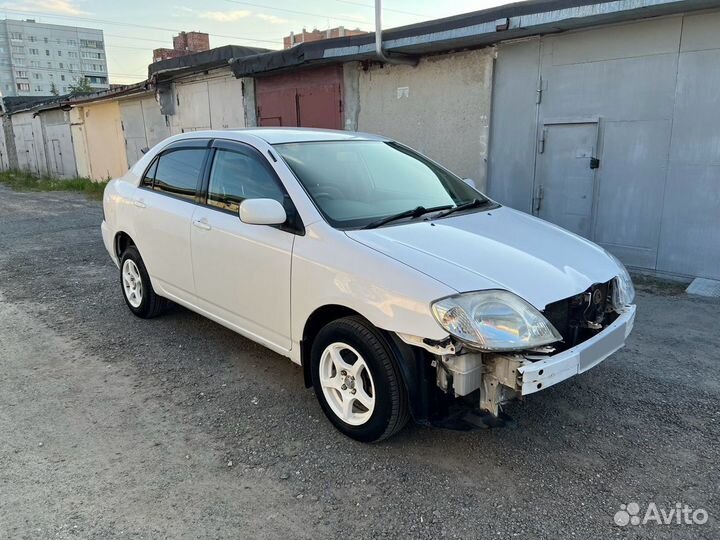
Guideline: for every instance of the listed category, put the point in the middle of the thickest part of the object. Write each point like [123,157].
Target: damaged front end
[472,383]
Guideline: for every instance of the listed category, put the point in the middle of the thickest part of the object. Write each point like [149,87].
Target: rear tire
[357,380]
[136,287]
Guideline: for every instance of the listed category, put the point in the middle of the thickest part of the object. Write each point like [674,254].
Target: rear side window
[237,176]
[177,172]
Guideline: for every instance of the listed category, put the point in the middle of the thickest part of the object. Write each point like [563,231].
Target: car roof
[291,135]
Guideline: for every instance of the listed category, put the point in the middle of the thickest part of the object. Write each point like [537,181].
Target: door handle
[202,224]
[139,203]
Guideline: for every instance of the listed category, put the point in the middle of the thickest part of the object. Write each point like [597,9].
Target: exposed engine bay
[590,328]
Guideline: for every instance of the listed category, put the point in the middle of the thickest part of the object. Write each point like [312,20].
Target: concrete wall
[440,107]
[8,135]
[649,89]
[4,156]
[210,102]
[98,140]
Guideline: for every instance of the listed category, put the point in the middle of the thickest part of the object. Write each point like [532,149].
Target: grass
[25,181]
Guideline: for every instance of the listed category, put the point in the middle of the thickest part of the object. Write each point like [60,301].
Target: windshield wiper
[415,212]
[475,203]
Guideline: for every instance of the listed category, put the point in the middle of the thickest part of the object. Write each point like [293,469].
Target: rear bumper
[108,237]
[543,373]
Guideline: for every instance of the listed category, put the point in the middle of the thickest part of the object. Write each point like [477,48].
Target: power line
[296,12]
[384,8]
[117,23]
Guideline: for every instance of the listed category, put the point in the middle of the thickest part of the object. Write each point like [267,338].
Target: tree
[81,86]
[54,90]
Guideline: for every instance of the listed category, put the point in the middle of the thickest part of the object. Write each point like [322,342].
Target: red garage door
[309,98]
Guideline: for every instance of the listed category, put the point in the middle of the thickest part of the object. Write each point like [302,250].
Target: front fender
[330,269]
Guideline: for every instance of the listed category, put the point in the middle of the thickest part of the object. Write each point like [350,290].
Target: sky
[133,28]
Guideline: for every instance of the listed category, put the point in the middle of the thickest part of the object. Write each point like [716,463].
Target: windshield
[356,183]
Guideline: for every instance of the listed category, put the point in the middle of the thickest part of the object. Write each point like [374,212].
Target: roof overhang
[471,30]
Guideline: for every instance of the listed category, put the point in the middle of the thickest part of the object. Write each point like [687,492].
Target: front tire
[136,287]
[357,380]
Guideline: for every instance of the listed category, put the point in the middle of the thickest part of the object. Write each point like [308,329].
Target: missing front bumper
[491,380]
[542,372]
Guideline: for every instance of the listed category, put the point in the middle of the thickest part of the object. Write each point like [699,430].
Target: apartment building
[37,59]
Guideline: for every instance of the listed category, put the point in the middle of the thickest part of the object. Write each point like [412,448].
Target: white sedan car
[401,290]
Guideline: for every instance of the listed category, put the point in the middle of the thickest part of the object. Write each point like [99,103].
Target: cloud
[272,19]
[225,16]
[65,7]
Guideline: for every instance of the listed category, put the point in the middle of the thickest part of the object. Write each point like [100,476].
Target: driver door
[241,271]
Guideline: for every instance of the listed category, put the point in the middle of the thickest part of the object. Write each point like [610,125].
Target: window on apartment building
[62,77]
[73,54]
[19,50]
[38,88]
[72,42]
[23,87]
[37,76]
[15,35]
[60,64]
[34,52]
[21,74]
[71,67]
[2,49]
[65,89]
[32,39]
[34,63]
[59,53]
[45,40]
[47,52]
[91,43]
[20,62]
[49,65]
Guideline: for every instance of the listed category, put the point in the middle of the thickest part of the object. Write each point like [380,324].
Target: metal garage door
[565,175]
[311,98]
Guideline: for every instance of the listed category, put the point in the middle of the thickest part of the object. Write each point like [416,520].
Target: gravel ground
[116,427]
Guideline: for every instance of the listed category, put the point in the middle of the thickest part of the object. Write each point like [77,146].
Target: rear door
[164,205]
[565,175]
[242,272]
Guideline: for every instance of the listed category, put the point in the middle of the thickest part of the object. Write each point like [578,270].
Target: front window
[237,176]
[356,183]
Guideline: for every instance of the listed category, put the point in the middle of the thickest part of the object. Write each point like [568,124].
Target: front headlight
[494,321]
[624,290]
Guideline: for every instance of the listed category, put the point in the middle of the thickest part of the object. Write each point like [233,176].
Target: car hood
[496,249]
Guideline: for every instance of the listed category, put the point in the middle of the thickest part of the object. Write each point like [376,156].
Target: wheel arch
[121,241]
[317,319]
[417,376]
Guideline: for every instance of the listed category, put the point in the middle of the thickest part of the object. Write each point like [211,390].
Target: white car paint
[265,283]
[497,249]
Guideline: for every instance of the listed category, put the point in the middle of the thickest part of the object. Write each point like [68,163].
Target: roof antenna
[379,51]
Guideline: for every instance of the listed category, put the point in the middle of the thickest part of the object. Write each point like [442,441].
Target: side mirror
[262,212]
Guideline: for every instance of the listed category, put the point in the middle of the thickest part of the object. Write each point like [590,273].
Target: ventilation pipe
[379,51]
